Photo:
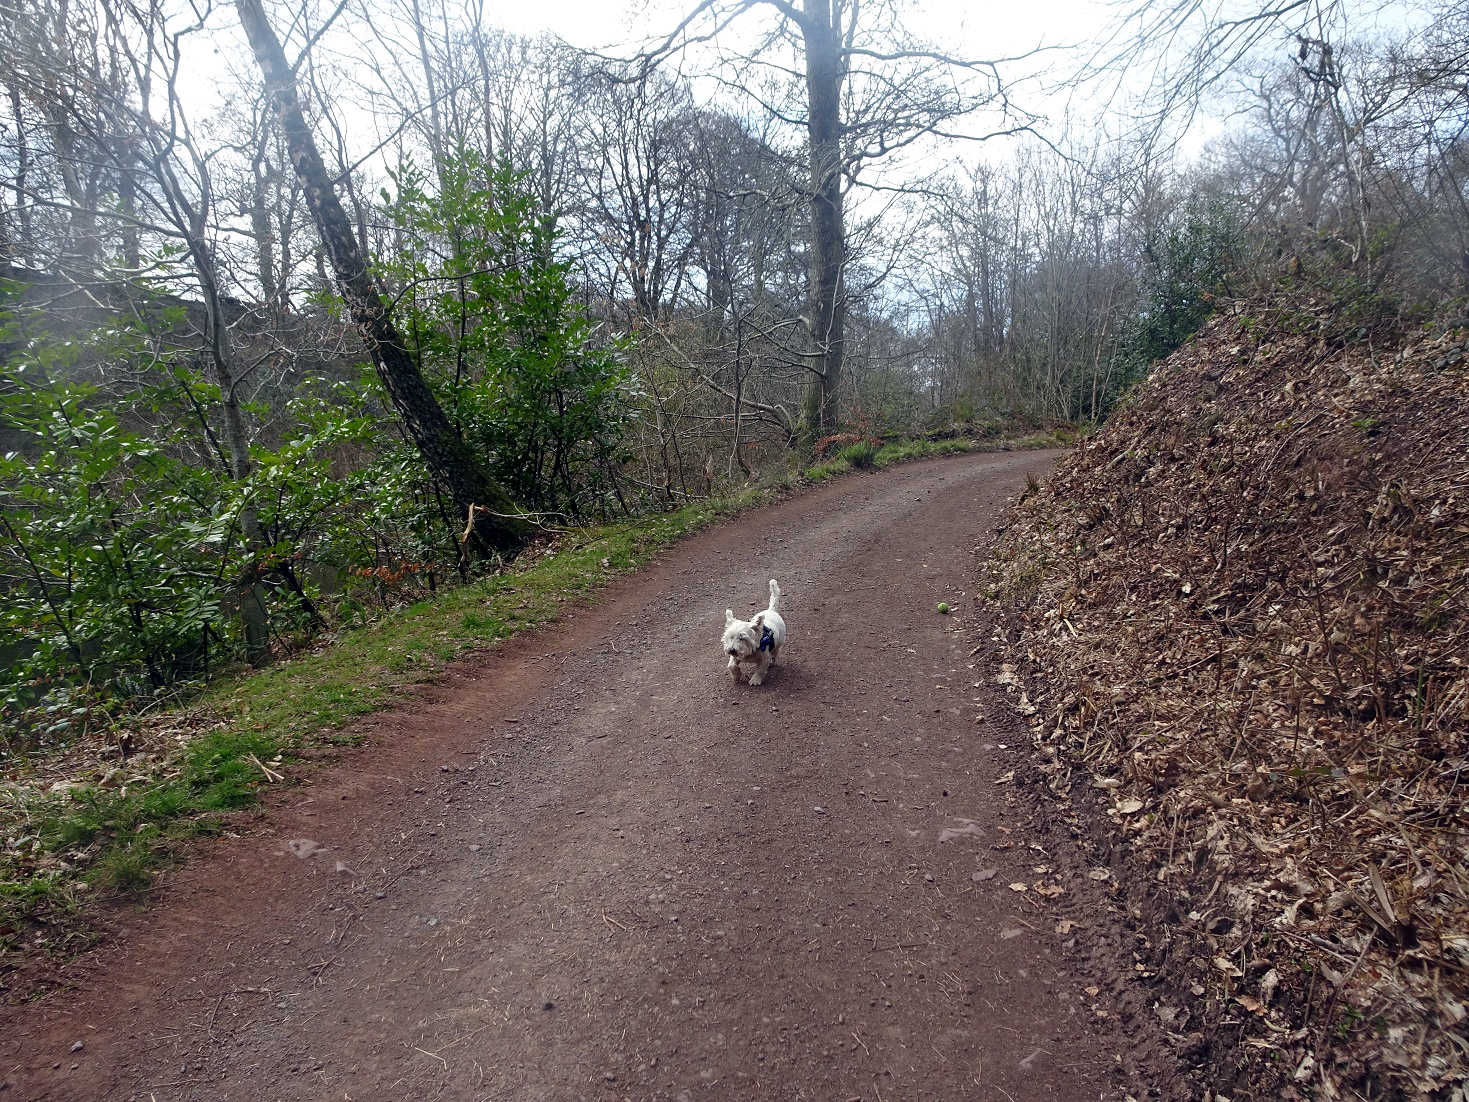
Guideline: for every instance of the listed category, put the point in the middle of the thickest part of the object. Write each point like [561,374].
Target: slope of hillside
[1243,610]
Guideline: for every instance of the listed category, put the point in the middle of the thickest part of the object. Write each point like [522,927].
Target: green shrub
[497,331]
[1188,267]
[861,455]
[128,548]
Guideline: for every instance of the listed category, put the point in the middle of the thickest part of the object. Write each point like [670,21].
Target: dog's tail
[774,596]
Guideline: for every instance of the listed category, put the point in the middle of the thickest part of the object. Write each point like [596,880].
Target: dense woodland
[305,322]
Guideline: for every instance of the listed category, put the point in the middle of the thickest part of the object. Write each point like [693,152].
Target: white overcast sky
[973,29]
[982,28]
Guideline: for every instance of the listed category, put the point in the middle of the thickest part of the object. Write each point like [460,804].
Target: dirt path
[590,867]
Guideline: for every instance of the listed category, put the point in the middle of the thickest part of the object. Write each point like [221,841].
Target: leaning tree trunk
[826,306]
[491,516]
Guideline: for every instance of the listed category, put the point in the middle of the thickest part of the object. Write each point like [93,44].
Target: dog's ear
[728,617]
[759,621]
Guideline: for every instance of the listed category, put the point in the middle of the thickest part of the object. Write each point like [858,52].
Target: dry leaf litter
[1241,610]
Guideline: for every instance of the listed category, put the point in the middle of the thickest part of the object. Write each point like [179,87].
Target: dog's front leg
[761,670]
[734,670]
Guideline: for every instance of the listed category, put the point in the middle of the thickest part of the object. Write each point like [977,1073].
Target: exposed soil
[586,865]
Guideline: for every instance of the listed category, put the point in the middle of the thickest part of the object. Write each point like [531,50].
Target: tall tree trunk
[492,516]
[254,617]
[127,201]
[81,237]
[260,224]
[436,122]
[192,213]
[826,305]
[26,241]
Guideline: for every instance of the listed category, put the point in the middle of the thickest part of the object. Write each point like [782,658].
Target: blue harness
[767,638]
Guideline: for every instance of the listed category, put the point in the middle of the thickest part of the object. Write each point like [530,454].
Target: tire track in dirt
[588,866]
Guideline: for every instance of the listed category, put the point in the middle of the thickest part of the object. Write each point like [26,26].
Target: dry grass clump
[1245,605]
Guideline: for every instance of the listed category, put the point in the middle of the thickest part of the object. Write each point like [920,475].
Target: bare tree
[641,186]
[864,89]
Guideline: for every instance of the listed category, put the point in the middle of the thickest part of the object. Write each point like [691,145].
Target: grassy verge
[109,832]
[864,455]
[106,831]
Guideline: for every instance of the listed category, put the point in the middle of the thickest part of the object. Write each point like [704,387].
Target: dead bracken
[1242,609]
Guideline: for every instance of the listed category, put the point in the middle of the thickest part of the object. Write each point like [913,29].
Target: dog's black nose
[733,653]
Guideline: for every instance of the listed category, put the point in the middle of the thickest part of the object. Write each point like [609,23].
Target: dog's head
[742,637]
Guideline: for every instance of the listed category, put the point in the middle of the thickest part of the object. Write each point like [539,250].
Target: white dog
[754,642]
